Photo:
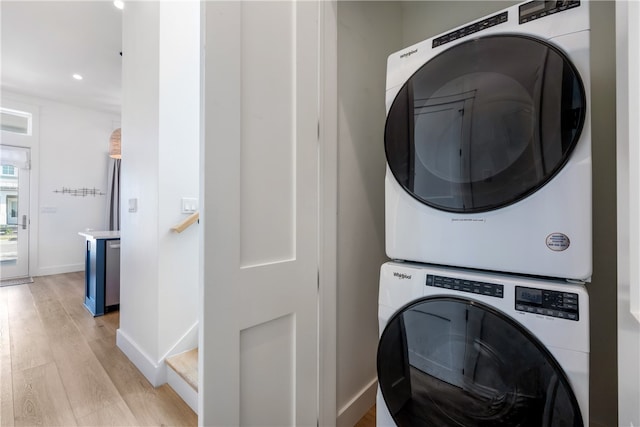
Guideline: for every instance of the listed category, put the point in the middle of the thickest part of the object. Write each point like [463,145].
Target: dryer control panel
[539,9]
[563,305]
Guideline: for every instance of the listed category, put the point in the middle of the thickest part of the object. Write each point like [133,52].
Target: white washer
[488,144]
[466,348]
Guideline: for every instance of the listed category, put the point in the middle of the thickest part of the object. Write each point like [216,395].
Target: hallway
[60,366]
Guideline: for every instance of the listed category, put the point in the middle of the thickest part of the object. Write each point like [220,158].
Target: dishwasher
[112,275]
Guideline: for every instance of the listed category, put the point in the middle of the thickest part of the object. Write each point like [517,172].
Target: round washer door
[446,361]
[485,123]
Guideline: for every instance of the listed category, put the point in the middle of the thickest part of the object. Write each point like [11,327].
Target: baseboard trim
[156,373]
[351,413]
[58,269]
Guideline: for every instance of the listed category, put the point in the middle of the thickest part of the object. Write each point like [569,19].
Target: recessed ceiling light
[119,4]
[77,76]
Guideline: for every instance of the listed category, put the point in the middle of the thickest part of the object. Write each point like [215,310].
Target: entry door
[259,326]
[14,212]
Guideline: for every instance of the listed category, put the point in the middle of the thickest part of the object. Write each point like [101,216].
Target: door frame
[16,102]
[328,221]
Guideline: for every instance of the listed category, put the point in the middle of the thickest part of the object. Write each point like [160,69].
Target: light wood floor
[59,366]
[369,419]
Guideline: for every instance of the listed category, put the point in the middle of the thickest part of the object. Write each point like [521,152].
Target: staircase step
[186,365]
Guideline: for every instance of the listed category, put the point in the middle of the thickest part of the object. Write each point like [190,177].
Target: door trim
[328,206]
[16,102]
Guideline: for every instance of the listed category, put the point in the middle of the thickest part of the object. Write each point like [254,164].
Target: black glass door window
[485,123]
[446,361]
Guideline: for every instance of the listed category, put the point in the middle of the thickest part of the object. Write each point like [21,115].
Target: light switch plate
[189,205]
[133,205]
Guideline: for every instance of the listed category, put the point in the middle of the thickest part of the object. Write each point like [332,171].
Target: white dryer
[466,348]
[488,144]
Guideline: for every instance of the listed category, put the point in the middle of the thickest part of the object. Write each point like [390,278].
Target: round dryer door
[485,123]
[445,361]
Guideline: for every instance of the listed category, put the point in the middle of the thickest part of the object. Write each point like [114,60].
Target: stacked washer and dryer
[483,314]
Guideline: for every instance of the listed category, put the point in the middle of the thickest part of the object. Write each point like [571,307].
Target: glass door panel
[14,212]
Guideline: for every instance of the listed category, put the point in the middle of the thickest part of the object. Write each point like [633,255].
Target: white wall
[72,152]
[160,128]
[178,160]
[139,310]
[628,130]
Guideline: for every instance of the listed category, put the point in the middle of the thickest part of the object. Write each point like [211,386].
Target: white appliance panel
[521,237]
[566,340]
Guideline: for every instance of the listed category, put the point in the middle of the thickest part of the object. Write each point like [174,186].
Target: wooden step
[186,365]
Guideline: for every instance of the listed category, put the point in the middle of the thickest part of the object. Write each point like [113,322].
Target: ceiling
[43,43]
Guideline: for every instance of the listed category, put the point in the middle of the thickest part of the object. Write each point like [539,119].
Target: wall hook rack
[80,192]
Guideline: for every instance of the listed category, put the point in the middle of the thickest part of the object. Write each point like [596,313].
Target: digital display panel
[529,295]
[547,302]
[539,9]
[533,7]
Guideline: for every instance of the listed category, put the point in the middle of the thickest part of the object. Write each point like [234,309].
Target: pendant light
[114,145]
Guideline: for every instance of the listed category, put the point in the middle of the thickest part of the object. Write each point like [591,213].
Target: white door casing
[259,211]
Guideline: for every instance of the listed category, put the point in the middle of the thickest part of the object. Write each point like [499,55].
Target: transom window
[15,121]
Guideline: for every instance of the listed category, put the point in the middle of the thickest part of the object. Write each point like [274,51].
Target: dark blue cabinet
[96,273]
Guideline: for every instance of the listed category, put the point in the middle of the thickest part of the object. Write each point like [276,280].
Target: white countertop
[100,234]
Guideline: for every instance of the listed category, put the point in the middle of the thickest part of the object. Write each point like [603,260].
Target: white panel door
[259,323]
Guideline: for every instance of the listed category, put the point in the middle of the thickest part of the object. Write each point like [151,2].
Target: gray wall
[367,33]
[603,288]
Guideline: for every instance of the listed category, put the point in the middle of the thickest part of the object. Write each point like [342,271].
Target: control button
[520,307]
[572,316]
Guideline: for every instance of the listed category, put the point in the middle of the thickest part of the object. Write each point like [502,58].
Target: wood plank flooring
[59,366]
[368,419]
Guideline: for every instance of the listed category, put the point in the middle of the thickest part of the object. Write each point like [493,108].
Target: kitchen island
[102,271]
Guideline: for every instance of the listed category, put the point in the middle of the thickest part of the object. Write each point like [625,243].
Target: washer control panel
[462,285]
[539,9]
[563,305]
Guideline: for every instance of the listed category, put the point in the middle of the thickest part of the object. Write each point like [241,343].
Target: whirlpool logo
[401,275]
[409,53]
